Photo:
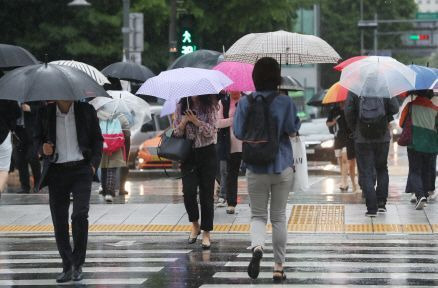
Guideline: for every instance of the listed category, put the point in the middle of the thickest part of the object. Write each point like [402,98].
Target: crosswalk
[340,263]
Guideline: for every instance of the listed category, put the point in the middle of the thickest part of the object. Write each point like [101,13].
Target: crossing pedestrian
[368,118]
[230,148]
[195,119]
[70,139]
[272,177]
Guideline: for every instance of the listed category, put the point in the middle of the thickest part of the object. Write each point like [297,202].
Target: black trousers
[62,181]
[25,155]
[421,173]
[233,167]
[200,171]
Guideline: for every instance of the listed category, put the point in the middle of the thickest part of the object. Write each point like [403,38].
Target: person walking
[195,119]
[69,138]
[423,148]
[230,148]
[115,130]
[371,145]
[344,146]
[272,180]
[9,113]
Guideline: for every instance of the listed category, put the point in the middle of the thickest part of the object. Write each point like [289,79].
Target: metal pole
[362,50]
[125,29]
[375,36]
[317,18]
[172,32]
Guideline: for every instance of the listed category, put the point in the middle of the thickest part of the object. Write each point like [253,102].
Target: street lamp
[125,28]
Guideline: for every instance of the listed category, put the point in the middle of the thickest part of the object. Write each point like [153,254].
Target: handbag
[301,177]
[406,135]
[174,148]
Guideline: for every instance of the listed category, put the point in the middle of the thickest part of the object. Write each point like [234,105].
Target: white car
[319,142]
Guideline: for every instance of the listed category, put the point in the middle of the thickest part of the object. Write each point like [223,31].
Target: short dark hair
[424,93]
[266,74]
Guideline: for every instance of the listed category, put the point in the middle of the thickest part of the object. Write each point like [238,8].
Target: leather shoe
[77,274]
[65,276]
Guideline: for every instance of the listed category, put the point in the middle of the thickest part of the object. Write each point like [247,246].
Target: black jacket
[9,113]
[90,138]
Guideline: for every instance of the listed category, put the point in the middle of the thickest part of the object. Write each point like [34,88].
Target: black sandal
[193,240]
[254,265]
[278,279]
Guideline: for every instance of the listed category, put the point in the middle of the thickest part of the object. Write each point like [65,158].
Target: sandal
[254,265]
[193,239]
[279,278]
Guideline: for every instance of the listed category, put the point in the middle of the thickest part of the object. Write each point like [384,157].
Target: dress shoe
[193,239]
[77,274]
[65,276]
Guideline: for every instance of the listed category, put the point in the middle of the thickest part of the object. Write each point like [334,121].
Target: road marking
[84,269]
[317,255]
[52,282]
[94,252]
[89,260]
[306,286]
[354,248]
[321,264]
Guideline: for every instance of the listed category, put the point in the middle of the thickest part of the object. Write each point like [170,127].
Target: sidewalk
[172,218]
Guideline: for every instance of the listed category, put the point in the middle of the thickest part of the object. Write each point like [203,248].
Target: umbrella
[290,83]
[239,73]
[134,108]
[175,84]
[347,62]
[335,94]
[129,71]
[377,76]
[205,59]
[285,47]
[48,82]
[90,70]
[316,100]
[12,56]
[425,77]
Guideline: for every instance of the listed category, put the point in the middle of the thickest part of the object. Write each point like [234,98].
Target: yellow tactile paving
[309,228]
[435,228]
[182,228]
[242,228]
[158,228]
[331,219]
[223,228]
[387,228]
[417,228]
[358,228]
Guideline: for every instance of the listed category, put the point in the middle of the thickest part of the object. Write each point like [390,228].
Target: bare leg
[352,168]
[344,170]
[3,180]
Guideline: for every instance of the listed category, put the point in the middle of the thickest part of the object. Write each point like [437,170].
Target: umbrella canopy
[48,82]
[239,73]
[347,62]
[129,71]
[290,83]
[12,56]
[316,100]
[90,70]
[205,59]
[335,94]
[134,108]
[175,84]
[377,76]
[425,77]
[285,47]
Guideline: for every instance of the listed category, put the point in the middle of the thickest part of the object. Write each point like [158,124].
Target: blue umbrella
[425,78]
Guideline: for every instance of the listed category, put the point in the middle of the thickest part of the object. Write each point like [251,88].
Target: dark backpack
[372,117]
[260,140]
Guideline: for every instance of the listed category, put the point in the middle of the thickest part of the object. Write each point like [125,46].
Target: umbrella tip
[46,57]
[427,64]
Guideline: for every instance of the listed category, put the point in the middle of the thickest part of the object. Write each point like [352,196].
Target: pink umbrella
[240,73]
[347,62]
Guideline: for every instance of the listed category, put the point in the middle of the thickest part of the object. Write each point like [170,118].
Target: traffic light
[416,37]
[186,38]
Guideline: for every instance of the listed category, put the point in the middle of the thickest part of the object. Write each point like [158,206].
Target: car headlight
[328,144]
[140,160]
[394,131]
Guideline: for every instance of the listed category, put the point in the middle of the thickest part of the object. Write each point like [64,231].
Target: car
[318,140]
[147,155]
[149,130]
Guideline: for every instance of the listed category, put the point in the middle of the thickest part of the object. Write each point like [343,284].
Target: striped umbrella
[285,47]
[90,70]
[335,94]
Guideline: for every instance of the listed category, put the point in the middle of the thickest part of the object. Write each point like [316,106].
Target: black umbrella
[206,59]
[316,100]
[48,82]
[291,84]
[129,71]
[12,56]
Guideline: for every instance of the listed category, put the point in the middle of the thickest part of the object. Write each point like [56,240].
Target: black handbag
[174,148]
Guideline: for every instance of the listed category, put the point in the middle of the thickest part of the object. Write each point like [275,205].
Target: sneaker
[221,202]
[230,210]
[413,198]
[381,209]
[420,203]
[108,198]
[371,214]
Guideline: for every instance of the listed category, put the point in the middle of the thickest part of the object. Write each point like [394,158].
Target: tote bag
[301,177]
[174,148]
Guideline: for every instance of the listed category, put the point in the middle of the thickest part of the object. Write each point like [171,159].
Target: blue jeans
[421,173]
[372,163]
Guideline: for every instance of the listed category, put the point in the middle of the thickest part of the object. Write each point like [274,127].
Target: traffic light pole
[125,29]
[172,32]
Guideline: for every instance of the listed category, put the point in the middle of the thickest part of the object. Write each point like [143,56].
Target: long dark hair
[208,103]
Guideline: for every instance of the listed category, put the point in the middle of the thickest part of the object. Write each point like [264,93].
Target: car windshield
[163,122]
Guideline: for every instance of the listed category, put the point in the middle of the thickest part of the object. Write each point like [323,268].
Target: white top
[67,145]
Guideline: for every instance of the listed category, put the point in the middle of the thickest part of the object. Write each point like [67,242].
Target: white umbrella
[175,84]
[136,109]
[90,70]
[378,76]
[285,47]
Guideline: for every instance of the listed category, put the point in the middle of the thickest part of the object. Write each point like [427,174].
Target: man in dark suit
[70,139]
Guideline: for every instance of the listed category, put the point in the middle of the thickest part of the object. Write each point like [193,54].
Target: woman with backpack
[269,160]
[195,119]
[115,128]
